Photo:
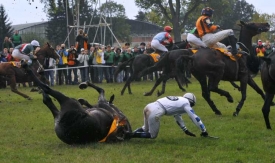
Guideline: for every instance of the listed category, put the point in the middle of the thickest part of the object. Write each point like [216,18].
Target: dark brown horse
[168,64]
[15,75]
[216,66]
[75,124]
[268,81]
[141,62]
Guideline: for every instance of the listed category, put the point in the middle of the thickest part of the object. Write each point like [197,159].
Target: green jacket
[109,57]
[118,58]
[127,56]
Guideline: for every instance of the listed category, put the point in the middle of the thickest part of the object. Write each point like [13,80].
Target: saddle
[223,51]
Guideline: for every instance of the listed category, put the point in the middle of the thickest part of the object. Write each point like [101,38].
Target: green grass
[27,129]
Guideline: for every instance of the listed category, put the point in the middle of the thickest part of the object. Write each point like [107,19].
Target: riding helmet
[207,11]
[168,29]
[35,43]
[191,98]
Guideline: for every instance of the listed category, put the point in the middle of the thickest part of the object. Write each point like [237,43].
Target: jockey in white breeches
[25,51]
[162,39]
[207,31]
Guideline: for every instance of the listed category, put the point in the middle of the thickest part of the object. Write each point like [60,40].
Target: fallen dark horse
[75,124]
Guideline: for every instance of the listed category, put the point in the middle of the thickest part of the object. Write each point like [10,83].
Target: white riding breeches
[212,39]
[18,55]
[155,44]
[195,41]
[152,113]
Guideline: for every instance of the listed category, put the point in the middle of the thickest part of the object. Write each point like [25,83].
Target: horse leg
[179,84]
[14,89]
[165,78]
[127,84]
[205,92]
[61,98]
[49,103]
[266,108]
[243,91]
[235,85]
[253,85]
[162,78]
[213,87]
[85,103]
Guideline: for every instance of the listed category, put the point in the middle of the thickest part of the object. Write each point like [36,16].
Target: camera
[63,47]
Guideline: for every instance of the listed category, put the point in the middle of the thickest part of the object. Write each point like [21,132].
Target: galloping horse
[18,75]
[268,81]
[141,62]
[75,124]
[216,66]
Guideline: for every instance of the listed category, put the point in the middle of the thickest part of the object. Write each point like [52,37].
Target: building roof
[27,25]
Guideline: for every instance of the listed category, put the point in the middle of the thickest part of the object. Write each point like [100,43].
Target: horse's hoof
[235,114]
[272,104]
[147,94]
[130,93]
[230,99]
[218,113]
[28,98]
[83,85]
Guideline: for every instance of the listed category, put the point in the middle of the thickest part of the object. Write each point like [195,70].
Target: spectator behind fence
[109,57]
[49,65]
[3,55]
[63,62]
[126,56]
[7,44]
[118,59]
[83,59]
[72,56]
[16,39]
[92,62]
[97,61]
[80,40]
[142,48]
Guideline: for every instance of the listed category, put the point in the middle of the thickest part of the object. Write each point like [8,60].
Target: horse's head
[255,28]
[47,51]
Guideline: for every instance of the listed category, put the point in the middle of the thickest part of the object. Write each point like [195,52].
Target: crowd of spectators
[85,62]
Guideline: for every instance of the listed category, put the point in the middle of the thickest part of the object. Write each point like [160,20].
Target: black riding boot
[141,135]
[233,42]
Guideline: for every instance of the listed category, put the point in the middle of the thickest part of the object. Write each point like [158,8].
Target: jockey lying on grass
[25,51]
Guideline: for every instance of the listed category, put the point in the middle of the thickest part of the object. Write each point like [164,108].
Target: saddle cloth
[115,124]
[224,51]
[155,56]
[15,63]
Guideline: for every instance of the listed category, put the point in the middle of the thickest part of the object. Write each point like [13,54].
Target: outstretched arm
[180,122]
[196,119]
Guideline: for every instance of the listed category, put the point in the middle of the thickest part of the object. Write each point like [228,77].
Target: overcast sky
[20,11]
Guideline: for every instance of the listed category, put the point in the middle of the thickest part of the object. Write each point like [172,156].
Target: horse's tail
[182,64]
[122,66]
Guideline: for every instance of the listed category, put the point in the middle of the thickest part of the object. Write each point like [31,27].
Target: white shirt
[177,105]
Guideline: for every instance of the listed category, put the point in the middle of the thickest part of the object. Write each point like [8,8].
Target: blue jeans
[84,74]
[50,76]
[100,73]
[70,75]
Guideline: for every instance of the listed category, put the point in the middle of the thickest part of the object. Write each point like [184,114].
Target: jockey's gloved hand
[204,134]
[187,132]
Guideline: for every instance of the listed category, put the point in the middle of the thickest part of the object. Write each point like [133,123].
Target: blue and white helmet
[35,43]
[191,98]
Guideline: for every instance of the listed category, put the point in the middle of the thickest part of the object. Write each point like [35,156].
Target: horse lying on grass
[75,124]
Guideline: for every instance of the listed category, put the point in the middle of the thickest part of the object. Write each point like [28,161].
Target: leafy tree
[56,30]
[171,10]
[6,29]
[141,16]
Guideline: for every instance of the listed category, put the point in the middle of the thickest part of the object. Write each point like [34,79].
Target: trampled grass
[27,129]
